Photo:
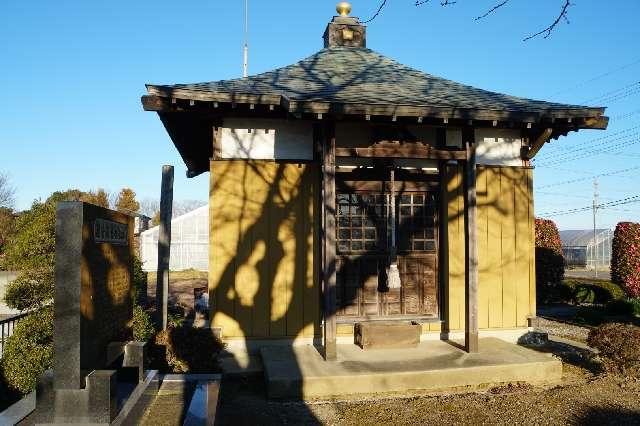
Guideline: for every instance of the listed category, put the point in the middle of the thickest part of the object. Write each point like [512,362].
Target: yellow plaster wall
[262,244]
[506,251]
[261,275]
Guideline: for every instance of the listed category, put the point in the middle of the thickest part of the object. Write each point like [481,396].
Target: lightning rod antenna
[245,64]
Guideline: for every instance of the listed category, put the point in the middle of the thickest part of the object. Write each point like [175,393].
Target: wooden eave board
[315,107]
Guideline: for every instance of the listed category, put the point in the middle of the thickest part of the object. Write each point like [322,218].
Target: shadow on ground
[244,402]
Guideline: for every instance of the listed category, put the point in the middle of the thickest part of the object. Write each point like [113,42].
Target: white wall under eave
[498,147]
[264,139]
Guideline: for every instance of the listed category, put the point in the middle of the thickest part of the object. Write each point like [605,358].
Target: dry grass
[181,286]
[189,274]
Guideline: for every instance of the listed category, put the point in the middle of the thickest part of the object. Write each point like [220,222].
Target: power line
[612,173]
[590,153]
[625,91]
[620,202]
[567,146]
[598,77]
[625,116]
[560,169]
[563,194]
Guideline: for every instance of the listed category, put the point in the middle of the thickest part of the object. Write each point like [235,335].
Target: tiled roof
[348,75]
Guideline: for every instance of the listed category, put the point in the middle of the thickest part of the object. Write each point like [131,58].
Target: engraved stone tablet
[93,305]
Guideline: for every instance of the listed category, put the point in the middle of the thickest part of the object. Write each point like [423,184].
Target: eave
[188,117]
[165,100]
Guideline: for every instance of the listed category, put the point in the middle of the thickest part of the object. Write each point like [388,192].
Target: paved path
[170,406]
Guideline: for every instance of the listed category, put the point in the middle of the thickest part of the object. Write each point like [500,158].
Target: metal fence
[7,325]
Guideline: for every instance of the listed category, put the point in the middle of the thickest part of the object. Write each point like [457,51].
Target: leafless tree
[562,16]
[7,192]
[185,206]
[149,206]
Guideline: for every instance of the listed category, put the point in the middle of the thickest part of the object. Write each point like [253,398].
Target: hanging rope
[393,274]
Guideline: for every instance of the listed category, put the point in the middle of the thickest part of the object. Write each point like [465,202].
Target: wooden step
[386,334]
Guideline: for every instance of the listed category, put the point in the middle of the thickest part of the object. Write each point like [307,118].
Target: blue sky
[73,73]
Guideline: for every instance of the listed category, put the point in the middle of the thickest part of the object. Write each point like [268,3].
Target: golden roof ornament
[343,8]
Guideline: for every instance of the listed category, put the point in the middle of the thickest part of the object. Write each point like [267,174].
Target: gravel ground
[582,399]
[561,329]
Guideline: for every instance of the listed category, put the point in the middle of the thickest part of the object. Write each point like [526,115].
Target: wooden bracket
[538,143]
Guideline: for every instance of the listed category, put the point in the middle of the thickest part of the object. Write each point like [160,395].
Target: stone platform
[301,372]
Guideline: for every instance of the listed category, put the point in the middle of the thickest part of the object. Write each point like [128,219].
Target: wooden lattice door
[363,255]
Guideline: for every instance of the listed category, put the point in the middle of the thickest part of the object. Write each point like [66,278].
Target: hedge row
[28,352]
[625,257]
[549,258]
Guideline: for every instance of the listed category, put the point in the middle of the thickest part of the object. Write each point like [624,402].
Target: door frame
[368,180]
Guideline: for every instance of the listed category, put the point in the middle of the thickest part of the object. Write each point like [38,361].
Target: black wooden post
[329,258]
[164,247]
[471,251]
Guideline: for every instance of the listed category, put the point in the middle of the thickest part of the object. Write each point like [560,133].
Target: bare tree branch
[7,192]
[375,15]
[442,3]
[547,31]
[493,9]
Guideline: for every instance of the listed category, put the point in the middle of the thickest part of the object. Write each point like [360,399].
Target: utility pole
[245,63]
[595,208]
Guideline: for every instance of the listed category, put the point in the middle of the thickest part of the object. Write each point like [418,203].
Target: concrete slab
[301,372]
[240,364]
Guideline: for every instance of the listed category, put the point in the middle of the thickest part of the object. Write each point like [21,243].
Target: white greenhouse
[581,248]
[189,243]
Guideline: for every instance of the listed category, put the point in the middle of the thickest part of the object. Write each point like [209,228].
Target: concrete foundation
[301,372]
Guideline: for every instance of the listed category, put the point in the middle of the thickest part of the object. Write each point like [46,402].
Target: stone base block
[373,335]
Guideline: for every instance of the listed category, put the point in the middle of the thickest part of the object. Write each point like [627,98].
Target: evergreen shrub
[186,349]
[139,283]
[549,258]
[625,257]
[619,346]
[143,326]
[28,352]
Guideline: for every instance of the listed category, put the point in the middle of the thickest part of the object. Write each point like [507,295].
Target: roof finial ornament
[343,8]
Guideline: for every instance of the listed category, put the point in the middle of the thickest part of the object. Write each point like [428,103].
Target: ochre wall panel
[523,245]
[454,287]
[532,244]
[262,245]
[505,247]
[483,261]
[494,246]
[507,220]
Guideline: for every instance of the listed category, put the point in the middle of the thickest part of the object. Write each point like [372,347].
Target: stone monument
[93,315]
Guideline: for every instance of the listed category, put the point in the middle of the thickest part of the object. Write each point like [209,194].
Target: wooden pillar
[329,239]
[164,247]
[471,252]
